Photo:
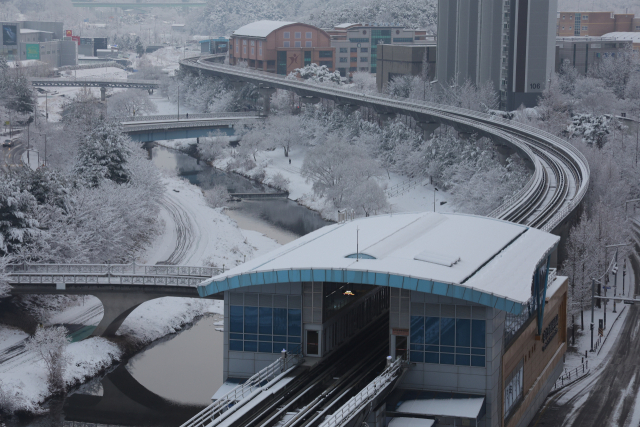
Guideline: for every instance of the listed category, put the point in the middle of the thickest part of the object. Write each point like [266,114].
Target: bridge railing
[358,402]
[93,80]
[211,415]
[191,116]
[114,269]
[94,279]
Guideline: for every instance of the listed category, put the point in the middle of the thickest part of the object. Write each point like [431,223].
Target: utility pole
[178,100]
[593,285]
[45,149]
[615,280]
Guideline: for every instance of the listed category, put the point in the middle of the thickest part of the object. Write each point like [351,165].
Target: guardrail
[354,405]
[190,116]
[94,279]
[114,269]
[37,81]
[212,414]
[404,186]
[183,124]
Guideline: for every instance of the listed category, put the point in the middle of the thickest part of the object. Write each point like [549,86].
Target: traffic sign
[600,332]
[629,301]
[607,287]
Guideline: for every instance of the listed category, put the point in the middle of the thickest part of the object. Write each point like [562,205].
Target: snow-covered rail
[555,189]
[114,269]
[189,116]
[94,279]
[150,125]
[93,82]
[214,414]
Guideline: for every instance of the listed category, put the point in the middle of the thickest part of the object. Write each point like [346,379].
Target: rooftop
[624,35]
[445,254]
[27,31]
[260,28]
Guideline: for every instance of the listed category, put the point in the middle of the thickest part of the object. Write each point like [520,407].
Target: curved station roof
[260,28]
[479,259]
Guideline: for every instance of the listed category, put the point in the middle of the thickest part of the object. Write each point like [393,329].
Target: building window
[253,43]
[354,50]
[264,329]
[585,16]
[297,44]
[343,50]
[585,28]
[260,43]
[562,16]
[364,69]
[307,58]
[359,40]
[364,59]
[326,54]
[447,340]
[374,50]
[354,59]
[563,28]
[285,44]
[237,49]
[402,40]
[253,51]
[364,49]
[353,69]
[307,35]
[244,42]
[244,50]
[343,60]
[298,34]
[287,34]
[307,44]
[513,389]
[260,51]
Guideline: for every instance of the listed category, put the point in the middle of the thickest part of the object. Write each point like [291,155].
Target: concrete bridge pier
[150,91]
[428,128]
[348,108]
[117,306]
[386,117]
[103,93]
[266,93]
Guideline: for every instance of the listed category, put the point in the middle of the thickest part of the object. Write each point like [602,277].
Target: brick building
[597,24]
[280,47]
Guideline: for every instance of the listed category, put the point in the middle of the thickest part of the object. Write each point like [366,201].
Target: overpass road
[561,173]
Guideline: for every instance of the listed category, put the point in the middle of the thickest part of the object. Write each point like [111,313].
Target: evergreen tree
[18,223]
[103,154]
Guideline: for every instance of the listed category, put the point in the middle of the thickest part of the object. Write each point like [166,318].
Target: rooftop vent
[437,258]
[360,256]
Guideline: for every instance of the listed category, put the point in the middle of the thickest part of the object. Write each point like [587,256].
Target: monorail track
[561,173]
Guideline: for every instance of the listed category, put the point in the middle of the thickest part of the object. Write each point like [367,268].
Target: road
[10,156]
[610,395]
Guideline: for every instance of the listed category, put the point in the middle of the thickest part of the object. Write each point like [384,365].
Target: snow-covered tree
[132,102]
[103,155]
[280,182]
[18,219]
[213,147]
[592,129]
[50,344]
[316,73]
[217,197]
[5,288]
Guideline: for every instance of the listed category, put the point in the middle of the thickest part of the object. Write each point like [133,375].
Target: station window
[298,35]
[253,51]
[307,44]
[447,341]
[354,49]
[343,50]
[297,44]
[286,44]
[326,54]
[253,43]
[244,50]
[264,329]
[307,35]
[286,34]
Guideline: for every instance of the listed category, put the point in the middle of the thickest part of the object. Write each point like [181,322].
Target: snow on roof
[260,28]
[410,422]
[28,31]
[345,25]
[624,35]
[460,407]
[429,250]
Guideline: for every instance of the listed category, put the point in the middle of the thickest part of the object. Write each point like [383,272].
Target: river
[175,377]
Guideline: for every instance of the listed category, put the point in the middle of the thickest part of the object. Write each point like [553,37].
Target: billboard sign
[10,35]
[68,33]
[76,39]
[33,51]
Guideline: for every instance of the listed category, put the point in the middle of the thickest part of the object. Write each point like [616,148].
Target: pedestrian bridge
[120,287]
[159,128]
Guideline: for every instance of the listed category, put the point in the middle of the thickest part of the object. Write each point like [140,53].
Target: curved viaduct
[561,173]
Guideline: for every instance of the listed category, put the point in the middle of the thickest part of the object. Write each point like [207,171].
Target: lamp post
[434,198]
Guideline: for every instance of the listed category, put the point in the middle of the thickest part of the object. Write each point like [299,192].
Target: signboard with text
[69,33]
[9,35]
[33,51]
[76,39]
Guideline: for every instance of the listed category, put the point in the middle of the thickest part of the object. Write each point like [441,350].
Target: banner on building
[9,35]
[33,51]
[69,33]
[76,39]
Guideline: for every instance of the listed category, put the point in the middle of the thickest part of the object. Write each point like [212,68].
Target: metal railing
[568,376]
[354,405]
[88,81]
[186,124]
[249,114]
[212,414]
[93,279]
[114,269]
[403,187]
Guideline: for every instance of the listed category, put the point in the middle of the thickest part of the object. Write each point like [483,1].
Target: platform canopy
[483,260]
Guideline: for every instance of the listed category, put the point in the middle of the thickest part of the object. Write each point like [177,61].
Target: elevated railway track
[554,190]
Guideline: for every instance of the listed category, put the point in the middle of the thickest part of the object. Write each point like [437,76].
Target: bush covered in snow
[316,73]
[217,197]
[592,129]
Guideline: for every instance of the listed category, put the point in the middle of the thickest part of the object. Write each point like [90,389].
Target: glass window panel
[446,359]
[266,338]
[432,330]
[416,347]
[431,358]
[294,339]
[447,331]
[235,336]
[235,314]
[250,337]
[266,320]
[280,321]
[295,322]
[446,349]
[277,338]
[478,351]
[251,320]
[417,329]
[462,350]
[277,347]
[463,332]
[235,345]
[264,347]
[293,348]
[250,346]
[416,356]
[434,348]
[478,333]
[477,360]
[462,360]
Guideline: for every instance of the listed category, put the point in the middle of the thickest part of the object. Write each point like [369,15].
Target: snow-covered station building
[469,301]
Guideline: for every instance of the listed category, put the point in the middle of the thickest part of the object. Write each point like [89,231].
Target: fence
[571,375]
